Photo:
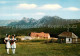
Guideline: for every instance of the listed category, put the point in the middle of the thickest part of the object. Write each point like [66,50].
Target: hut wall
[68,40]
[74,40]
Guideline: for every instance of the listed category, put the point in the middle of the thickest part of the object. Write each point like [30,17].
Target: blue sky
[17,9]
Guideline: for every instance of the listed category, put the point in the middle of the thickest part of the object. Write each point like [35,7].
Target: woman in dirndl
[7,41]
[13,44]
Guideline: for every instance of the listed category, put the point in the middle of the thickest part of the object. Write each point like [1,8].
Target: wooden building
[67,37]
[41,35]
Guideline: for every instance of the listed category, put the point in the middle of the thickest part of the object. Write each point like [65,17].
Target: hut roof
[67,34]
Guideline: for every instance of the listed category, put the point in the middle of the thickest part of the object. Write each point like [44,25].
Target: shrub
[18,40]
[50,41]
[1,40]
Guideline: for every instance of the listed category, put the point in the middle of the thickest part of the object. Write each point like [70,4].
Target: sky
[17,9]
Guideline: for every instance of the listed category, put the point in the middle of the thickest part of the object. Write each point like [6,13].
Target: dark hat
[13,35]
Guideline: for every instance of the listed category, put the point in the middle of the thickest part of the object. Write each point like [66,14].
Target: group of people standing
[10,43]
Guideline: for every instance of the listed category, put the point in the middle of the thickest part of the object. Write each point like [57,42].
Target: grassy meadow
[39,48]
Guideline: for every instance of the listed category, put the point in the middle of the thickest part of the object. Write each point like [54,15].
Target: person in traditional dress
[7,41]
[13,44]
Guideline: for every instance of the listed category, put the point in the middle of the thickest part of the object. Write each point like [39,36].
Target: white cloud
[45,7]
[72,9]
[26,6]
[39,13]
[50,7]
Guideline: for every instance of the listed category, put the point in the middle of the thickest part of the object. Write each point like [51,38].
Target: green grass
[42,49]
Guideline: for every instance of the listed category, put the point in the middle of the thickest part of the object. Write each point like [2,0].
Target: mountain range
[46,21]
[6,22]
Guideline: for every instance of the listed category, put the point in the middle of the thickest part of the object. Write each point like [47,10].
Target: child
[13,44]
[7,41]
